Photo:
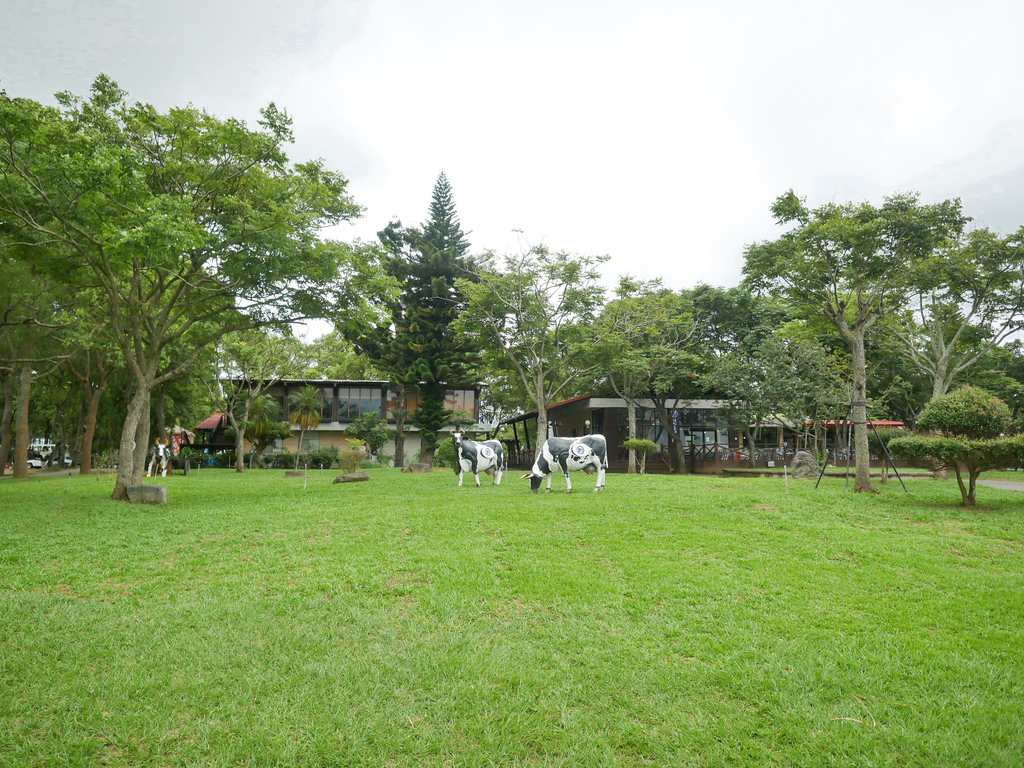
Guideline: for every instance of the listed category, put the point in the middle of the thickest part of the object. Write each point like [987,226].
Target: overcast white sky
[658,132]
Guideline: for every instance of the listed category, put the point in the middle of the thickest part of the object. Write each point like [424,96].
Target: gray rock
[805,465]
[295,473]
[147,494]
[417,468]
[352,477]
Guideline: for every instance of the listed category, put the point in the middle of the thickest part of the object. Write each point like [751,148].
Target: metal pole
[826,455]
[888,456]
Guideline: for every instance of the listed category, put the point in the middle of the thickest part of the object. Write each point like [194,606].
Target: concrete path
[1006,485]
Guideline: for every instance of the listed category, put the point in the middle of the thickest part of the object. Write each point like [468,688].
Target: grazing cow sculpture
[162,454]
[588,453]
[486,456]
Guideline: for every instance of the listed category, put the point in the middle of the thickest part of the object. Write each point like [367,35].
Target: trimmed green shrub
[643,448]
[967,458]
[445,455]
[967,412]
[322,458]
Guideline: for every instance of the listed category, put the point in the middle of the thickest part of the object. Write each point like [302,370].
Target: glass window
[328,396]
[463,400]
[354,402]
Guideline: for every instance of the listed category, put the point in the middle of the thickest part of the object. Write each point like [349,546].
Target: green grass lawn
[406,622]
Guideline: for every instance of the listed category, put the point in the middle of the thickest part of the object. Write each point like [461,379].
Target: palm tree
[263,415]
[306,408]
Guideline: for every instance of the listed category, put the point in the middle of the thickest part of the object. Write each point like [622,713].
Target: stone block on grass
[417,468]
[147,494]
[353,477]
[805,465]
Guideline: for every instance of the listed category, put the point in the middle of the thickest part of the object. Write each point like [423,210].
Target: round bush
[444,455]
[967,412]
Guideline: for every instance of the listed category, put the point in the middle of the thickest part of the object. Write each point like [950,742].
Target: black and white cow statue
[569,454]
[161,454]
[476,457]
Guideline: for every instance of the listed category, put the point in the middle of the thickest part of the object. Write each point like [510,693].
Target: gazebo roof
[214,422]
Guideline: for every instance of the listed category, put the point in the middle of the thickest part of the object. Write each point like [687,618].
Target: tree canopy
[853,264]
[188,225]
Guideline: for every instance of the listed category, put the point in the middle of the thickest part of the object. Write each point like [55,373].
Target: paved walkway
[1006,485]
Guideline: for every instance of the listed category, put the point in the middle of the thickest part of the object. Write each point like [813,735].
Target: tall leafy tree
[643,316]
[775,378]
[965,300]
[33,312]
[333,356]
[186,224]
[249,364]
[265,425]
[540,309]
[853,265]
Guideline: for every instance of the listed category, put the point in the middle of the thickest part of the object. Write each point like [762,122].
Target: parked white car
[35,463]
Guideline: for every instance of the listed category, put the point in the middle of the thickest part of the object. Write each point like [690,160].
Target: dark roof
[214,422]
[533,414]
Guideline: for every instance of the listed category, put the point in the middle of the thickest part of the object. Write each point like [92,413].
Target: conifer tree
[428,356]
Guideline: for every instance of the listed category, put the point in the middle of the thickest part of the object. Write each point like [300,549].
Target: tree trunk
[631,431]
[675,444]
[130,467]
[161,412]
[401,400]
[142,440]
[94,395]
[400,438]
[542,429]
[426,451]
[239,442]
[752,457]
[21,436]
[859,413]
[5,422]
[298,449]
[76,448]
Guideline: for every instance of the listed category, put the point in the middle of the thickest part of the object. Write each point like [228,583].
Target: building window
[462,400]
[354,402]
[327,393]
[310,443]
[412,402]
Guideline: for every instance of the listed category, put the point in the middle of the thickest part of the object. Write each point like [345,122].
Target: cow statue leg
[600,479]
[497,475]
[163,466]
[565,471]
